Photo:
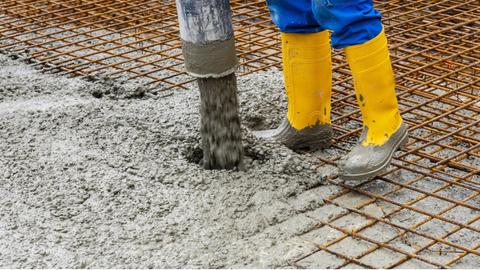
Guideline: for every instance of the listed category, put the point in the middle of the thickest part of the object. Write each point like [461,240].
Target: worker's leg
[357,27]
[352,22]
[294,16]
[306,55]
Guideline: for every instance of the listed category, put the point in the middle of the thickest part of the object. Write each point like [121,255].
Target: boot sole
[311,146]
[382,167]
[307,140]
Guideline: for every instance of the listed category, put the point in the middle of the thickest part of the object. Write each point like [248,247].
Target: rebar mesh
[435,181]
[134,40]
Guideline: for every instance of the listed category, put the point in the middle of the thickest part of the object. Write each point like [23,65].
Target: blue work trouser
[352,22]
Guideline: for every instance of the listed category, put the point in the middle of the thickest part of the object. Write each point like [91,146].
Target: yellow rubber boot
[375,89]
[384,131]
[307,65]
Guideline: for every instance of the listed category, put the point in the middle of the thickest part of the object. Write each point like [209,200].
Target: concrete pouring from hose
[208,47]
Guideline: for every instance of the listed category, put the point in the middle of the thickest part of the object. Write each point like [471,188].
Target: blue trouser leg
[294,16]
[352,22]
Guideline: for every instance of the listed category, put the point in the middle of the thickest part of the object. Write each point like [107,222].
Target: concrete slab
[382,258]
[321,259]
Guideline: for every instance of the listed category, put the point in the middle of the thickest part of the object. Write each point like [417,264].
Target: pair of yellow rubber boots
[308,81]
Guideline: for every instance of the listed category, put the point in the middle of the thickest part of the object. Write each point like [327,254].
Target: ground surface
[100,174]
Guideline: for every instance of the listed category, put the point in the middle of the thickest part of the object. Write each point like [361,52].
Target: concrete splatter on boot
[310,138]
[366,162]
[384,130]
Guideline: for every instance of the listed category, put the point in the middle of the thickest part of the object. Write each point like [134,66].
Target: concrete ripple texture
[98,174]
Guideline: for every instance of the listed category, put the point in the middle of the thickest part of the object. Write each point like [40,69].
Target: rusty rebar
[435,52]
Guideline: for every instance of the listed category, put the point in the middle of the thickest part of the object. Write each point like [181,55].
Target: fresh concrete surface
[101,174]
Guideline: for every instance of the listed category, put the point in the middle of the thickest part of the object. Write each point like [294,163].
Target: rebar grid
[435,181]
[134,40]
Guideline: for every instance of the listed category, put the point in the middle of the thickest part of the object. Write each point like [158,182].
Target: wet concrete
[99,173]
[220,123]
[95,175]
